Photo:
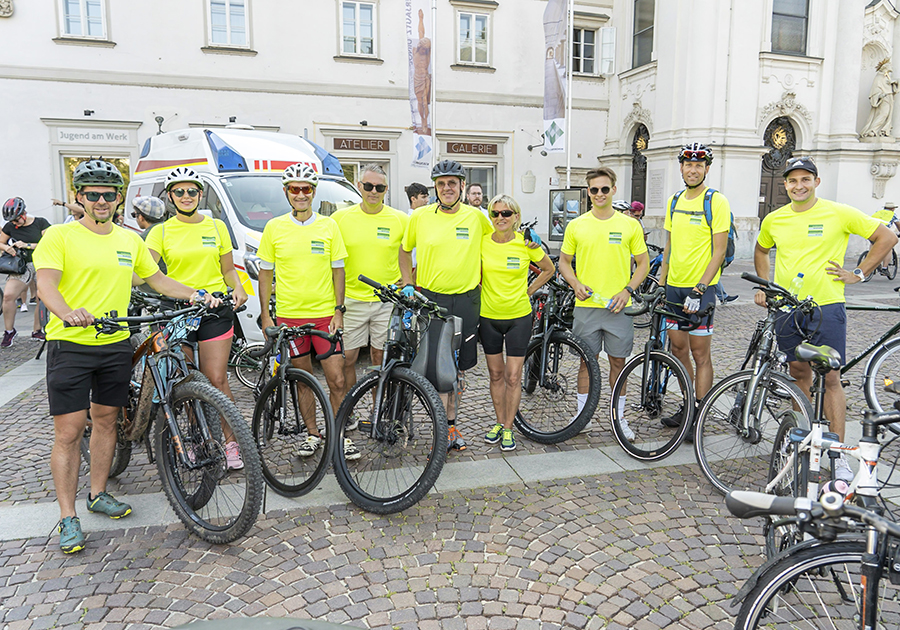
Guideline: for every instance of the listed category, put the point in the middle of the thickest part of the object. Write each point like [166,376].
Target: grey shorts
[602,329]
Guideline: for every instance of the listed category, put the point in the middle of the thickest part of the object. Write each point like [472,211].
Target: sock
[582,401]
[621,407]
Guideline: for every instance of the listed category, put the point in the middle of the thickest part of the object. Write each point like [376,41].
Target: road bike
[889,270]
[402,431]
[739,417]
[188,417]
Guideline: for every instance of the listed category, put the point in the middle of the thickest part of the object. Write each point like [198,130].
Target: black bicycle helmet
[13,209]
[96,173]
[448,167]
[695,152]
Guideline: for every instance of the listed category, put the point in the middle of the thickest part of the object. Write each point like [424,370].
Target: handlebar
[274,332]
[416,303]
[112,323]
[777,292]
[642,303]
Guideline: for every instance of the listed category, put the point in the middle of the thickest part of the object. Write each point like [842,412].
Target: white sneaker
[842,470]
[351,453]
[24,308]
[352,422]
[588,427]
[626,430]
[310,446]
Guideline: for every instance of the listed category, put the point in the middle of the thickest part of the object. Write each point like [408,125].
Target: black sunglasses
[502,213]
[95,196]
[378,187]
[605,190]
[179,192]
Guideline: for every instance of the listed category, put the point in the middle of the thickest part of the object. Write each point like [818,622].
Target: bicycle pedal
[845,382]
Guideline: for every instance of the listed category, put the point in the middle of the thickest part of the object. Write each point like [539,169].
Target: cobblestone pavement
[652,548]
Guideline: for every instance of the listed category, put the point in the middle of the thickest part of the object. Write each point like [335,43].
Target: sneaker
[730,298]
[23,308]
[352,422]
[493,436]
[351,453]
[71,538]
[842,470]
[689,436]
[509,442]
[626,430]
[673,421]
[310,446]
[455,441]
[38,335]
[233,456]
[8,337]
[104,503]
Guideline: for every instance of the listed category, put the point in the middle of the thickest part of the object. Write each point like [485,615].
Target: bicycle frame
[548,324]
[892,331]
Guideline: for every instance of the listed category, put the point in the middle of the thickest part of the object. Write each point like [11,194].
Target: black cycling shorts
[214,326]
[516,332]
[467,307]
[78,375]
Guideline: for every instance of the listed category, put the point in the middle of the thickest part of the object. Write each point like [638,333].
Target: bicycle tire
[247,369]
[859,262]
[891,270]
[816,587]
[278,441]
[784,536]
[547,413]
[121,456]
[649,285]
[652,441]
[399,467]
[883,371]
[729,460]
[216,504]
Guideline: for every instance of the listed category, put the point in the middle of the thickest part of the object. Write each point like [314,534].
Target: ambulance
[241,171]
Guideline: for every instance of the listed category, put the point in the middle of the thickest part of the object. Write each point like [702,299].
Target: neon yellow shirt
[373,247]
[690,248]
[603,249]
[885,215]
[448,247]
[193,251]
[807,240]
[504,277]
[302,255]
[96,275]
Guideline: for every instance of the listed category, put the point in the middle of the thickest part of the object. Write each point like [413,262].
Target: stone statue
[881,98]
[6,8]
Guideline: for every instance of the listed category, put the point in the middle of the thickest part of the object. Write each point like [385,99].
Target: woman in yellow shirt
[197,250]
[506,311]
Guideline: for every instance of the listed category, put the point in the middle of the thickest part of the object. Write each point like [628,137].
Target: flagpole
[571,32]
[434,145]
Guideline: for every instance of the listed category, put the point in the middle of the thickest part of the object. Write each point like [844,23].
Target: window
[84,18]
[473,38]
[228,23]
[584,51]
[789,19]
[643,32]
[484,175]
[358,28]
[607,50]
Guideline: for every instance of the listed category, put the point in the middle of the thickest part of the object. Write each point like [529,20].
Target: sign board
[656,188]
[472,148]
[361,144]
[86,135]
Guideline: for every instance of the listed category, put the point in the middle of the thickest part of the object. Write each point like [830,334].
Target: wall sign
[86,135]
[656,188]
[361,144]
[472,148]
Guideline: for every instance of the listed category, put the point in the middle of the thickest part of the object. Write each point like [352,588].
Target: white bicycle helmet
[182,174]
[153,208]
[622,206]
[300,173]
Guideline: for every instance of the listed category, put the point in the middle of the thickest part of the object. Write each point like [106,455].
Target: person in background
[888,217]
[148,212]
[417,194]
[19,237]
[475,196]
[74,209]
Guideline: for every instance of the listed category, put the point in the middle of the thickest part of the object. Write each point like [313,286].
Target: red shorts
[301,346]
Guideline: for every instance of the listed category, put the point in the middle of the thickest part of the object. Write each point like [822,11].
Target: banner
[418,42]
[555,34]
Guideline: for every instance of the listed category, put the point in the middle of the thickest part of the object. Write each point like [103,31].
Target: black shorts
[516,332]
[467,307]
[214,326]
[827,326]
[78,375]
[675,296]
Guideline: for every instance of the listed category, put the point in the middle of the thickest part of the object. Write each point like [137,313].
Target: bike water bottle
[796,286]
[274,363]
[841,487]
[596,298]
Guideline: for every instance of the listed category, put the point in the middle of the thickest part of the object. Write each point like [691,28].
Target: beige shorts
[365,323]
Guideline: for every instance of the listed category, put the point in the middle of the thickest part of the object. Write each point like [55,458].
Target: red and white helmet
[13,209]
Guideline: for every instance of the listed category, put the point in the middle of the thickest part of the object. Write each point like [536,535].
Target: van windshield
[257,199]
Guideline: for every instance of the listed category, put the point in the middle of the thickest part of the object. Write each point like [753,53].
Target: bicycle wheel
[667,391]
[216,504]
[859,262]
[279,430]
[121,456]
[781,537]
[649,285]
[547,411]
[403,450]
[247,369]
[881,382]
[816,587]
[731,457]
[891,269]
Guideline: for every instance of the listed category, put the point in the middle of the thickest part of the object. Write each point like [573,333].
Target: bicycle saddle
[824,357]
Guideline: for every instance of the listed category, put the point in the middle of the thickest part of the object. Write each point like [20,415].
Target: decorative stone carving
[637,115]
[787,106]
[6,8]
[878,32]
[881,98]
[881,173]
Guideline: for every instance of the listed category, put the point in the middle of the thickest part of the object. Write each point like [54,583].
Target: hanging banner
[555,34]
[418,44]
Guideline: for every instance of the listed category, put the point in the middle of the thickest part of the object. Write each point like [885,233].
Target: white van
[241,172]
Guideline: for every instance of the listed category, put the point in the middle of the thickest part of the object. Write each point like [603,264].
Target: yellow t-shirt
[691,242]
[504,277]
[96,275]
[885,215]
[193,251]
[302,255]
[448,247]
[603,250]
[373,247]
[807,240]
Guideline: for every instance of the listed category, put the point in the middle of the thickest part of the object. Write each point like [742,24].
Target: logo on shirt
[512,262]
[696,220]
[615,238]
[383,233]
[317,247]
[208,241]
[462,234]
[816,230]
[124,259]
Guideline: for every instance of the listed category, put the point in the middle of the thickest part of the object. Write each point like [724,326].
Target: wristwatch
[701,288]
[341,308]
[859,274]
[629,289]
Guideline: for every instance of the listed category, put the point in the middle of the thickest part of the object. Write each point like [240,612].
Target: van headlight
[251,264]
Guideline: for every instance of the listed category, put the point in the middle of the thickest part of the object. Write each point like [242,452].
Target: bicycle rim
[882,379]
[247,369]
[780,537]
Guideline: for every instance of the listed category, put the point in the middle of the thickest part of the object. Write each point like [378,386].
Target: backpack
[707,212]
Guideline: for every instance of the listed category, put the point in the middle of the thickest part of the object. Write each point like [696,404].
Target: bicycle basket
[437,347]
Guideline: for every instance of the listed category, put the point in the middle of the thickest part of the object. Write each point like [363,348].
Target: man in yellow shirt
[84,270]
[372,233]
[604,242]
[811,235]
[692,263]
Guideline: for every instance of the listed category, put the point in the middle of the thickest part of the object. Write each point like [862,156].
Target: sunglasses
[605,190]
[694,155]
[95,196]
[503,213]
[378,187]
[306,189]
[191,192]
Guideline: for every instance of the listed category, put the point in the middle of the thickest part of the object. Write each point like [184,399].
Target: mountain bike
[650,282]
[248,368]
[889,270]
[402,432]
[739,417]
[289,402]
[187,415]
